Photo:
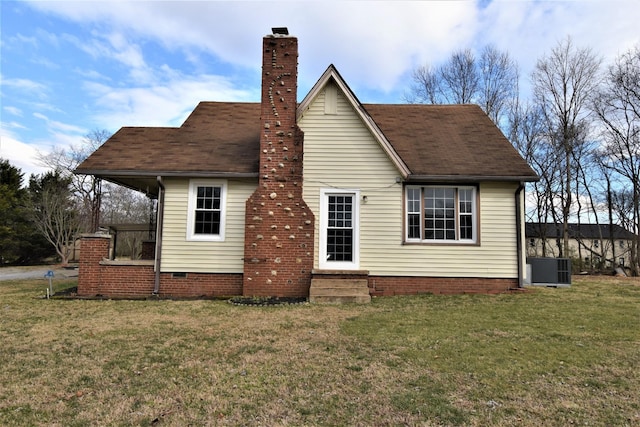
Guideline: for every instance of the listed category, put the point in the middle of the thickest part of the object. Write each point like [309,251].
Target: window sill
[437,243]
[138,262]
[205,238]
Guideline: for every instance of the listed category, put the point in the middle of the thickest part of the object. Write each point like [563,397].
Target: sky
[70,68]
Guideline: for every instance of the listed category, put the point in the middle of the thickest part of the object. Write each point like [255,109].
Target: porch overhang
[146,181]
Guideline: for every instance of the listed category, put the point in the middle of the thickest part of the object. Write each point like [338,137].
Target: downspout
[519,234]
[159,223]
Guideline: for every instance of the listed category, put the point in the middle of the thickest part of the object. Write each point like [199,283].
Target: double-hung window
[206,216]
[441,214]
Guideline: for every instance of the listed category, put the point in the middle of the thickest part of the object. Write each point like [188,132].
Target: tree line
[579,130]
[42,219]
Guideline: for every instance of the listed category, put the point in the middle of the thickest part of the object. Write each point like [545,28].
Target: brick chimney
[278,224]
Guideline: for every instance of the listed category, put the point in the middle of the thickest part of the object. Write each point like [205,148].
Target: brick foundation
[98,276]
[387,286]
[197,285]
[95,248]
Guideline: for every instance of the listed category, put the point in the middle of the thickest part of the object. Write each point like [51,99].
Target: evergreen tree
[20,243]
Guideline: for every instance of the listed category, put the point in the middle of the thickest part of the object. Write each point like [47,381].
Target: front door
[339,231]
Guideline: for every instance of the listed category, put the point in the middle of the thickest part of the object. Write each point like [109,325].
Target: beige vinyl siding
[181,255]
[340,152]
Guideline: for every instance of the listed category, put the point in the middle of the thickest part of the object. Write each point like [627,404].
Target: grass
[551,357]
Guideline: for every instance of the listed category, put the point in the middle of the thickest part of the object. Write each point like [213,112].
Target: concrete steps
[330,290]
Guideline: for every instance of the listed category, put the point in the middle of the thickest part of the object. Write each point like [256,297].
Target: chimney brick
[278,224]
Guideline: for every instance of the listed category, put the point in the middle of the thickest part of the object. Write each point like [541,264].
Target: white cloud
[373,44]
[19,38]
[165,104]
[25,85]
[534,28]
[125,52]
[13,110]
[91,74]
[21,155]
[47,63]
[56,126]
[117,47]
[12,125]
[375,49]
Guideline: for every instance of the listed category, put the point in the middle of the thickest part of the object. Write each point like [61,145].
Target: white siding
[341,153]
[181,255]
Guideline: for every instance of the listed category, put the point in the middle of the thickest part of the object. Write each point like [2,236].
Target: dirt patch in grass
[266,301]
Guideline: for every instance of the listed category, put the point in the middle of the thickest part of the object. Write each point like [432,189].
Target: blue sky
[68,68]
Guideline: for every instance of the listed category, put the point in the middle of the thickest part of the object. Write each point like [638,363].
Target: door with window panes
[339,238]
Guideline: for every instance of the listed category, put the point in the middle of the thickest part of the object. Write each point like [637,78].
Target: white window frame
[457,240]
[323,263]
[191,209]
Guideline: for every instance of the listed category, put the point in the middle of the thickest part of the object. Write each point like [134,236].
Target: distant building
[593,244]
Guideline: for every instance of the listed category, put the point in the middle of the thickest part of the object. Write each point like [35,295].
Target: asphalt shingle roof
[222,138]
[577,231]
[216,137]
[449,140]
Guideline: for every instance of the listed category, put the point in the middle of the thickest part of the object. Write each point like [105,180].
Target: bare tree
[498,85]
[490,81]
[526,132]
[459,78]
[54,212]
[124,206]
[562,84]
[618,108]
[424,88]
[87,188]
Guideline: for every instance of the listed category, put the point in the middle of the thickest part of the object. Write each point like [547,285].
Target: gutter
[159,225]
[469,178]
[142,173]
[519,235]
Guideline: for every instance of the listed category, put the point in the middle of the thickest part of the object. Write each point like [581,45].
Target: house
[281,198]
[593,246]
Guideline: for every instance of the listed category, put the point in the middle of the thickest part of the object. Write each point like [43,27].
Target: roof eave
[470,178]
[193,174]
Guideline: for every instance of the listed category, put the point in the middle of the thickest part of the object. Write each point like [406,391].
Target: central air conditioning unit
[552,272]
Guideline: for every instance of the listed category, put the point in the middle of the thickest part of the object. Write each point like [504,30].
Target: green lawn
[553,357]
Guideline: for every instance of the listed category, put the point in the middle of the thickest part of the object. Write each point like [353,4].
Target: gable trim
[331,73]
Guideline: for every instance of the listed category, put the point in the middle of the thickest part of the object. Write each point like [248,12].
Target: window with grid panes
[340,228]
[441,214]
[206,210]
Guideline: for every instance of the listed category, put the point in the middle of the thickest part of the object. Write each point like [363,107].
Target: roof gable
[331,74]
[434,142]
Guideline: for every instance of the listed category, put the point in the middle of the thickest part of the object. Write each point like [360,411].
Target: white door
[339,229]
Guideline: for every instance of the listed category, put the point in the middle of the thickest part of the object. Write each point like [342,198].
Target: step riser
[337,283]
[339,291]
[340,300]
